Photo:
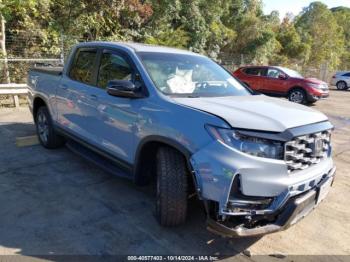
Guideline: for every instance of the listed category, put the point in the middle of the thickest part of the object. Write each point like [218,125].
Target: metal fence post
[3,49]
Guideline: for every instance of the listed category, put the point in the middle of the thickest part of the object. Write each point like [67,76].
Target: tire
[310,103]
[171,205]
[297,95]
[47,136]
[341,85]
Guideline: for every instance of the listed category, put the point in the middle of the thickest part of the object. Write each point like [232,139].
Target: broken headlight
[250,145]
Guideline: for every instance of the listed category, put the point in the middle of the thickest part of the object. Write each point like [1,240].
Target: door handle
[93,97]
[64,87]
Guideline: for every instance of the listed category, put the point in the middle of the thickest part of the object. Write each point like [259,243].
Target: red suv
[280,81]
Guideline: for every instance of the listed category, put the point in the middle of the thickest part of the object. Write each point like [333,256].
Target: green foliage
[292,47]
[178,38]
[342,16]
[221,28]
[318,28]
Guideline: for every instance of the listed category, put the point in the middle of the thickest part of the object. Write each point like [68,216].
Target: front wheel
[341,85]
[171,205]
[45,130]
[297,96]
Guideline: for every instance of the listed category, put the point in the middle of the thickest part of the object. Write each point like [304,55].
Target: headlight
[250,145]
[317,86]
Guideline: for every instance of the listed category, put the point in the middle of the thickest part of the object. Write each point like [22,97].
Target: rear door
[274,81]
[72,91]
[253,77]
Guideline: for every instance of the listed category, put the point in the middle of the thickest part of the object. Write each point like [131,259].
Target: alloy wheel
[341,86]
[297,96]
[43,127]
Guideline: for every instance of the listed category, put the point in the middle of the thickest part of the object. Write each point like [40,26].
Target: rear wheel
[45,131]
[171,205]
[297,95]
[341,85]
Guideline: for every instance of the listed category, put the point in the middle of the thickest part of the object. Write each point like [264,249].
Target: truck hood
[255,112]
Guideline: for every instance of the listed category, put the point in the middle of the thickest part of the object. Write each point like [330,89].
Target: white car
[341,80]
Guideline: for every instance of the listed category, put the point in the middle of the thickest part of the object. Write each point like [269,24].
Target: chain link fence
[25,50]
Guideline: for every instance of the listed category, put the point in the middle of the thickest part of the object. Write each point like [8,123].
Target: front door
[71,94]
[274,82]
[112,120]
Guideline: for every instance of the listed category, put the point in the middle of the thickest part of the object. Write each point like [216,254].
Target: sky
[296,6]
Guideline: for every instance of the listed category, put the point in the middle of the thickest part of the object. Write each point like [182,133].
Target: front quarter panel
[183,125]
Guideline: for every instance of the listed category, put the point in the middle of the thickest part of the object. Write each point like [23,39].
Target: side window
[113,67]
[347,75]
[255,71]
[273,72]
[83,66]
[252,71]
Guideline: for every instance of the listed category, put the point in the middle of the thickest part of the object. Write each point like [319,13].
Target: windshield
[190,75]
[292,73]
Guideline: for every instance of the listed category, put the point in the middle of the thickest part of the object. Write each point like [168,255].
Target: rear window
[255,71]
[83,65]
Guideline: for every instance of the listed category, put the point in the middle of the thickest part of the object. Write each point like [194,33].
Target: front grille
[307,150]
[324,87]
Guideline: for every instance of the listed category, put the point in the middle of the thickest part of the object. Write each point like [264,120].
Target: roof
[341,72]
[139,47]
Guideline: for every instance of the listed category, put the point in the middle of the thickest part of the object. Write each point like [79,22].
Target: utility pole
[62,48]
[3,49]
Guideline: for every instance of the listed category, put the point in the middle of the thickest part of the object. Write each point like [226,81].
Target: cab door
[113,120]
[274,82]
[72,91]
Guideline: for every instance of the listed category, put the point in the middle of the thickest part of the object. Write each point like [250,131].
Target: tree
[342,16]
[318,27]
[256,33]
[292,47]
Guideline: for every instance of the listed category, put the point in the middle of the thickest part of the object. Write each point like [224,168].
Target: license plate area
[323,190]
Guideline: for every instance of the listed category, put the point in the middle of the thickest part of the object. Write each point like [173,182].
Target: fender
[294,87]
[34,109]
[160,139]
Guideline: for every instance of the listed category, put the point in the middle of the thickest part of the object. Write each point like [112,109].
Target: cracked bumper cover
[294,195]
[294,210]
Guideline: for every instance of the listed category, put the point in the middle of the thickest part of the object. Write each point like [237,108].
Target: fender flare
[296,87]
[38,96]
[160,139]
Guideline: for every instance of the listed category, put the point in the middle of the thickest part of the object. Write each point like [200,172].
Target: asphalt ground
[52,202]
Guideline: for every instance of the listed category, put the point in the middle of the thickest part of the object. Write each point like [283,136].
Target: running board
[95,158]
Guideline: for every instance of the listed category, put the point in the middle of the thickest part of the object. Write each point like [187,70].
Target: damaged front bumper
[267,198]
[292,210]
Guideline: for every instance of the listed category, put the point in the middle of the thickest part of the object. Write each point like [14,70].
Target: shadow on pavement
[55,203]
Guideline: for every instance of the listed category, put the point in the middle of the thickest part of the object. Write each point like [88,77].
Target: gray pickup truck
[178,119]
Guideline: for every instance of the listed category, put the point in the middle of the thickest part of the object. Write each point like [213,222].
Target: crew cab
[177,119]
[281,81]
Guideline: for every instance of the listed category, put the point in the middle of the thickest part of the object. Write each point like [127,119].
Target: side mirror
[123,88]
[282,76]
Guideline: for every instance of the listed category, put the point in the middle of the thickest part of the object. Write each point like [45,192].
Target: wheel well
[38,102]
[295,87]
[147,159]
[341,81]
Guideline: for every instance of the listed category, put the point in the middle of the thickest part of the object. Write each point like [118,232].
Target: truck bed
[57,70]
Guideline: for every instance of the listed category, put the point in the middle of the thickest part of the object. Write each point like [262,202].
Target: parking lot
[53,202]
